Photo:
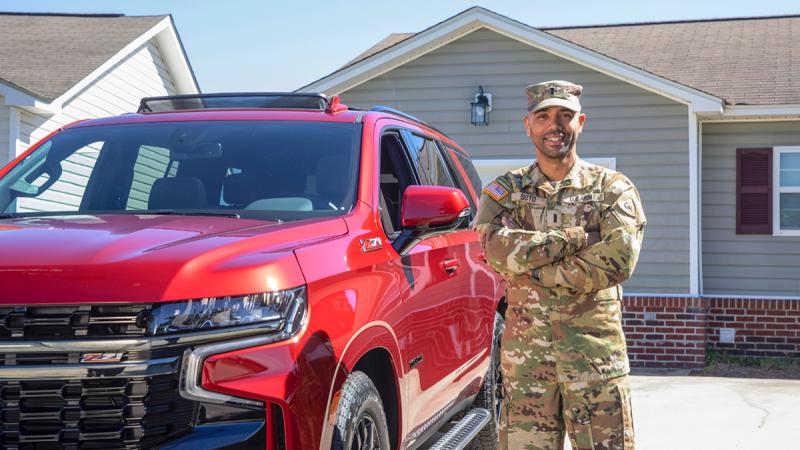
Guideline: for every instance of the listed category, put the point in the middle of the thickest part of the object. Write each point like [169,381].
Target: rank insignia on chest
[523,197]
[495,190]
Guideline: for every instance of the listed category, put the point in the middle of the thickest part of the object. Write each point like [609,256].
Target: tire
[360,419]
[491,394]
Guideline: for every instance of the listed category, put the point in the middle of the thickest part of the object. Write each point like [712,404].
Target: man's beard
[562,152]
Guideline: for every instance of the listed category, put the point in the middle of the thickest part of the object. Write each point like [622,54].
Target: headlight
[285,308]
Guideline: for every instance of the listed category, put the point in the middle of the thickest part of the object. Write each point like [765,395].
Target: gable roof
[743,61]
[382,45]
[748,61]
[477,18]
[47,55]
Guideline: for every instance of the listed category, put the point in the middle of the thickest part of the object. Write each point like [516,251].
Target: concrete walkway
[674,411]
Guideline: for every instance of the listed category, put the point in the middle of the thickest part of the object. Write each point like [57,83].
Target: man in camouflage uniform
[564,234]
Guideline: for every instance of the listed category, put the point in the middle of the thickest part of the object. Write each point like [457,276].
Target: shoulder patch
[495,190]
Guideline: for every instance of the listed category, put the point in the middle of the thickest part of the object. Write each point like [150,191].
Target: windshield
[257,169]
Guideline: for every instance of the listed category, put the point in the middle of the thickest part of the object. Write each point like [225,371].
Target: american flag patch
[495,190]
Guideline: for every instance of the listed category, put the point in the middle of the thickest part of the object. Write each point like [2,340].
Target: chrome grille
[69,321]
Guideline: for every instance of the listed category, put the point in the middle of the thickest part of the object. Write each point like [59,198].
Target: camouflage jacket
[534,234]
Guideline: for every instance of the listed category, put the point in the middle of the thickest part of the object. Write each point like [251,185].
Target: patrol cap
[554,93]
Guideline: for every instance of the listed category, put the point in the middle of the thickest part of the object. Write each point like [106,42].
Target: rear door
[484,284]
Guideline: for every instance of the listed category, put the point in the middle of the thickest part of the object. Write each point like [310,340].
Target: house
[704,117]
[59,68]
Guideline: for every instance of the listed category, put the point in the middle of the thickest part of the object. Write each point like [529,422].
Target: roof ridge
[672,22]
[61,14]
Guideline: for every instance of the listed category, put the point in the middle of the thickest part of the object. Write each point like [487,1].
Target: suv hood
[149,258]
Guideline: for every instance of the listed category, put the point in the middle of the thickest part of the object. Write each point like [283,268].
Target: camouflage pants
[596,414]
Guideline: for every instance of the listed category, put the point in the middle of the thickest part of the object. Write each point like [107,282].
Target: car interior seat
[177,193]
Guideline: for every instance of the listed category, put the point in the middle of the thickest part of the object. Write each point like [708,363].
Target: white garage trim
[13,133]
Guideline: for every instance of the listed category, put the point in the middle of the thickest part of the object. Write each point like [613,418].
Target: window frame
[777,190]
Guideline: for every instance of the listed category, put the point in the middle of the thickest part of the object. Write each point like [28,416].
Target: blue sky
[249,45]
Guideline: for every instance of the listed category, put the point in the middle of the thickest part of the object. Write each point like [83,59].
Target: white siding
[743,264]
[646,133]
[5,145]
[117,91]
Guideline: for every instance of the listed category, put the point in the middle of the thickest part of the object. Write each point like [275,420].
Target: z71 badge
[92,358]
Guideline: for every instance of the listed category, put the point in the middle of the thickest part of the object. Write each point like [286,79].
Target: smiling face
[554,131]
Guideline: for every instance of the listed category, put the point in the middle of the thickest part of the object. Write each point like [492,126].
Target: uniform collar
[576,177]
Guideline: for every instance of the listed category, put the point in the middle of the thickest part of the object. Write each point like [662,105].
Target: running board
[464,431]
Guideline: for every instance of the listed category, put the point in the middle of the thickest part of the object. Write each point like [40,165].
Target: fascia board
[162,26]
[477,18]
[760,110]
[700,102]
[16,97]
[169,42]
[397,55]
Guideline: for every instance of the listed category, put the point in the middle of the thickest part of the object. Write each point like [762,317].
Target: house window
[786,191]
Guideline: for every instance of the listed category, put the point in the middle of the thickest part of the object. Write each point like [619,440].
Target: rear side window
[428,160]
[465,165]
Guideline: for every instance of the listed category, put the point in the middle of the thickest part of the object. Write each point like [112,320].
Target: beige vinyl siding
[117,91]
[646,133]
[745,264]
[5,118]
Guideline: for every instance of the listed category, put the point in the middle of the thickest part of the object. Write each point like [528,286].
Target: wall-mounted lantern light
[481,107]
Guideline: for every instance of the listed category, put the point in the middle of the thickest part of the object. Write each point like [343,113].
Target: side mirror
[433,207]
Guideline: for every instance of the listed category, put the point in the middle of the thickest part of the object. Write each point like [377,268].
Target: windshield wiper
[9,215]
[172,212]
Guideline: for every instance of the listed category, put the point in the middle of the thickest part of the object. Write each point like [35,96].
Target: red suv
[246,271]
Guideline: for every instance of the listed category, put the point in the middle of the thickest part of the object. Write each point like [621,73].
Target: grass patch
[714,357]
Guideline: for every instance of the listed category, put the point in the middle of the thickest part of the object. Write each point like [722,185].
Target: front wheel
[360,419]
[490,396]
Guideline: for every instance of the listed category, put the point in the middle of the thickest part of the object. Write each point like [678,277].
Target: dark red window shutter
[753,191]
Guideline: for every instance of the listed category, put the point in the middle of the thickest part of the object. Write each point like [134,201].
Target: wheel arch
[377,365]
[374,350]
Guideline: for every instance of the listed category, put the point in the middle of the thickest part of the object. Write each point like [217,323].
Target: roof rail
[269,100]
[396,112]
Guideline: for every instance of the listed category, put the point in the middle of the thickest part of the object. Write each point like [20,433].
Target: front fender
[373,335]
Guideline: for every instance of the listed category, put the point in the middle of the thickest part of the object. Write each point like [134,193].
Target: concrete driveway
[674,411]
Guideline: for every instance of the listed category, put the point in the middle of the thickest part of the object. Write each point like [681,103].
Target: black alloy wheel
[366,436]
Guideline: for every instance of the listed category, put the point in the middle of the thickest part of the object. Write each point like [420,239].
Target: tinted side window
[428,160]
[469,169]
[461,177]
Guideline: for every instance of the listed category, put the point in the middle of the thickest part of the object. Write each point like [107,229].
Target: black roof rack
[238,100]
[397,112]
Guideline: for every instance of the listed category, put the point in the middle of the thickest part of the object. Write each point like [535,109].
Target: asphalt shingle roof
[754,61]
[47,54]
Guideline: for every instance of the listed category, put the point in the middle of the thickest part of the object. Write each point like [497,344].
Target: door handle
[450,265]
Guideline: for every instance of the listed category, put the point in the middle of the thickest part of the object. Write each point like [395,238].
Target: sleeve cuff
[576,237]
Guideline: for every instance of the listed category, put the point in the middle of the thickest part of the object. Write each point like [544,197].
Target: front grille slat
[119,413]
[130,411]
[64,322]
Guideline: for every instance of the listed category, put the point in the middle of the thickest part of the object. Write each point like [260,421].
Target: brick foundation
[674,332]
